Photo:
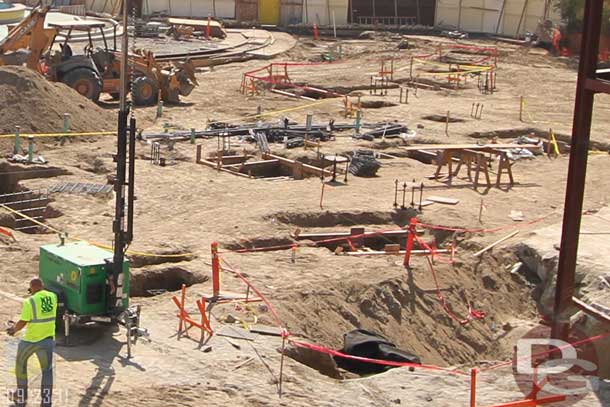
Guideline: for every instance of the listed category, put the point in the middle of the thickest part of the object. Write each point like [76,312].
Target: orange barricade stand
[531,400]
[187,322]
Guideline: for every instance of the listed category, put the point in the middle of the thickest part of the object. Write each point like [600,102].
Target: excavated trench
[406,311]
[564,139]
[151,282]
[172,255]
[513,286]
[340,218]
[381,296]
[376,104]
[35,204]
[443,119]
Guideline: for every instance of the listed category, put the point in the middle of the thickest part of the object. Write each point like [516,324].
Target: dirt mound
[409,314]
[28,100]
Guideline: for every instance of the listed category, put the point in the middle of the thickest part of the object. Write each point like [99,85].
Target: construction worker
[38,315]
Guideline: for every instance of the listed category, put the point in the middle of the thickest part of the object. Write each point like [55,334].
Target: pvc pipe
[17,140]
[30,148]
[66,123]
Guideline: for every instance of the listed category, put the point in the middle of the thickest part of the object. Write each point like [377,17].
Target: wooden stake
[521,103]
[473,387]
[494,244]
[182,301]
[322,196]
[447,125]
[411,69]
[282,365]
[481,211]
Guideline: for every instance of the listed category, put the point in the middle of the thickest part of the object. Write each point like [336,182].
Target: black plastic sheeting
[361,342]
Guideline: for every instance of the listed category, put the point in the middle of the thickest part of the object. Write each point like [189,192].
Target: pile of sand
[28,100]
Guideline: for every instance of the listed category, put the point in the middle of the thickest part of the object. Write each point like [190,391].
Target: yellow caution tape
[470,69]
[113,133]
[100,245]
[554,141]
[276,112]
[81,134]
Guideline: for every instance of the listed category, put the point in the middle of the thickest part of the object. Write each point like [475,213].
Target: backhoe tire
[144,91]
[84,81]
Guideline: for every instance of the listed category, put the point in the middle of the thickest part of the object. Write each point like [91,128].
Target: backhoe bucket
[186,77]
[179,80]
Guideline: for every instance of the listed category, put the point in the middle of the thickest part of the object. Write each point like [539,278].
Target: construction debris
[80,188]
[364,164]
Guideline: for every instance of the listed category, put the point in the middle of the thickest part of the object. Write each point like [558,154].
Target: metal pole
[521,18]
[124,54]
[121,158]
[583,112]
[131,178]
[395,193]
[413,194]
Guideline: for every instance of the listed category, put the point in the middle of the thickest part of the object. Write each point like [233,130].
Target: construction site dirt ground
[183,208]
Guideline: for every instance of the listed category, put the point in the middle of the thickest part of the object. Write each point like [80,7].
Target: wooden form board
[333,235]
[443,200]
[297,168]
[215,166]
[485,147]
[193,23]
[253,164]
[308,169]
[395,253]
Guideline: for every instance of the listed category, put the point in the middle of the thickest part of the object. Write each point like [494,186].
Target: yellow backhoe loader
[97,69]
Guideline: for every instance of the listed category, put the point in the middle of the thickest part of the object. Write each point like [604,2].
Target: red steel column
[577,169]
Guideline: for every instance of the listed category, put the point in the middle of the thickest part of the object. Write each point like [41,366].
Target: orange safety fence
[533,398]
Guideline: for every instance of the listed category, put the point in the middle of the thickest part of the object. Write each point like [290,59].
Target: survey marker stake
[421,194]
[413,194]
[282,365]
[395,193]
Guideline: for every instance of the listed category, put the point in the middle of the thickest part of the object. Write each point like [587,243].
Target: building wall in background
[291,12]
[246,10]
[387,8]
[484,15]
[321,12]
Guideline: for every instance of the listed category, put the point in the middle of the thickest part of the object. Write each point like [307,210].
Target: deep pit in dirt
[382,296]
[170,255]
[33,203]
[151,282]
[380,230]
[443,118]
[376,104]
[406,310]
[341,218]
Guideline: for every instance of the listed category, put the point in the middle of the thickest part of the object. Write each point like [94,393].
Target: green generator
[80,274]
